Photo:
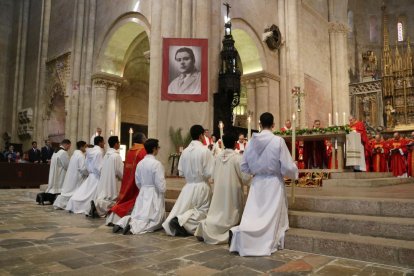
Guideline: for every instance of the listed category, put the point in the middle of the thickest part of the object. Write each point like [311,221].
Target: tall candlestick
[260,129]
[293,153]
[329,119]
[131,131]
[249,128]
[344,118]
[336,119]
[221,126]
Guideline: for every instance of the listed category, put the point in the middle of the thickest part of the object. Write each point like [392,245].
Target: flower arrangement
[309,131]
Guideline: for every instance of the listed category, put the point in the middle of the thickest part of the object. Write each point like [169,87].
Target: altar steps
[363,179]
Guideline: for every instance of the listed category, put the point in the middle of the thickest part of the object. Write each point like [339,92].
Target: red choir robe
[410,157]
[379,156]
[359,127]
[397,161]
[129,190]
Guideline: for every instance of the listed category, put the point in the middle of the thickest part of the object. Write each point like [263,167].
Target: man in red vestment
[397,150]
[379,154]
[359,127]
[410,157]
[241,144]
[207,140]
[129,190]
[287,126]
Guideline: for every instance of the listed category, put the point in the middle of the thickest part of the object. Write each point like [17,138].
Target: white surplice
[265,218]
[112,172]
[75,176]
[80,202]
[58,167]
[149,209]
[196,165]
[226,206]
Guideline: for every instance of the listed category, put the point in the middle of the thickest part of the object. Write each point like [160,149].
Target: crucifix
[228,8]
[297,95]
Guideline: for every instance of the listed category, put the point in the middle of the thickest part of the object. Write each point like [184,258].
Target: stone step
[172,193]
[357,206]
[372,249]
[374,182]
[359,175]
[386,227]
[169,204]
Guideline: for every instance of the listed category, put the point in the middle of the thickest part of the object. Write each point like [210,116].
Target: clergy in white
[196,165]
[80,202]
[149,209]
[75,175]
[58,167]
[111,173]
[227,203]
[265,218]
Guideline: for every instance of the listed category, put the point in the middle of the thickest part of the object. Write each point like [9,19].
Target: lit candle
[336,119]
[344,118]
[329,119]
[221,126]
[249,128]
[130,136]
[260,129]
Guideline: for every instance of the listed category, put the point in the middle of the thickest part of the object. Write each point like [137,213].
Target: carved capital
[337,27]
[108,81]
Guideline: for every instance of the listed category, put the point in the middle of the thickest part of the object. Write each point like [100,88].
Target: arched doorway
[124,58]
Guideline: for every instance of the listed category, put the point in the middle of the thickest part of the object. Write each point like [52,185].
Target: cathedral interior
[68,67]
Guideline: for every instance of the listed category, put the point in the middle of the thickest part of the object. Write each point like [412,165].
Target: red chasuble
[129,190]
[379,156]
[359,127]
[397,165]
[410,158]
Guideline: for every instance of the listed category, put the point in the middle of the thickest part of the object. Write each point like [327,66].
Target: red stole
[379,160]
[129,190]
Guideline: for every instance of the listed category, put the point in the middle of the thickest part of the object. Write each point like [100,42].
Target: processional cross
[297,95]
[228,8]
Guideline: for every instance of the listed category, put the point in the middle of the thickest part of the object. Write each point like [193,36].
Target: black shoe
[93,213]
[127,229]
[230,237]
[116,228]
[179,230]
[200,239]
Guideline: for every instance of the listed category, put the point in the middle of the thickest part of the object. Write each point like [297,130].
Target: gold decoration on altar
[309,179]
[397,81]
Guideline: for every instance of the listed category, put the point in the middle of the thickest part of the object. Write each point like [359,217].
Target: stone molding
[258,77]
[337,27]
[106,80]
[366,87]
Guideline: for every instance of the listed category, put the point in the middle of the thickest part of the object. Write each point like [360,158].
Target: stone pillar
[155,68]
[339,64]
[285,99]
[111,102]
[186,19]
[251,101]
[99,104]
[262,97]
[41,71]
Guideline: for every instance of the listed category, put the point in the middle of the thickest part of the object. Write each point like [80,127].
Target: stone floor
[39,240]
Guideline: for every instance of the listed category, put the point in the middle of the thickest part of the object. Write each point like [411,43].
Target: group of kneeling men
[255,227]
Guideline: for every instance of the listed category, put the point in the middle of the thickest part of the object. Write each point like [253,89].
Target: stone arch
[117,41]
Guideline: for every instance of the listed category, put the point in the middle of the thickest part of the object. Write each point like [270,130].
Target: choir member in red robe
[207,140]
[410,157]
[300,155]
[397,150]
[379,154]
[359,127]
[129,190]
[328,155]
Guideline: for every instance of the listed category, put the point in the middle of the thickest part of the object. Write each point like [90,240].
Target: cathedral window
[373,29]
[400,31]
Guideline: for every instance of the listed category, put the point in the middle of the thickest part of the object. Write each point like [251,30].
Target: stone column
[155,68]
[186,19]
[251,101]
[262,97]
[285,98]
[99,104]
[111,102]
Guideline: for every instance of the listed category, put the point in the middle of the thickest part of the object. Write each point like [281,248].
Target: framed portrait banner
[184,70]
